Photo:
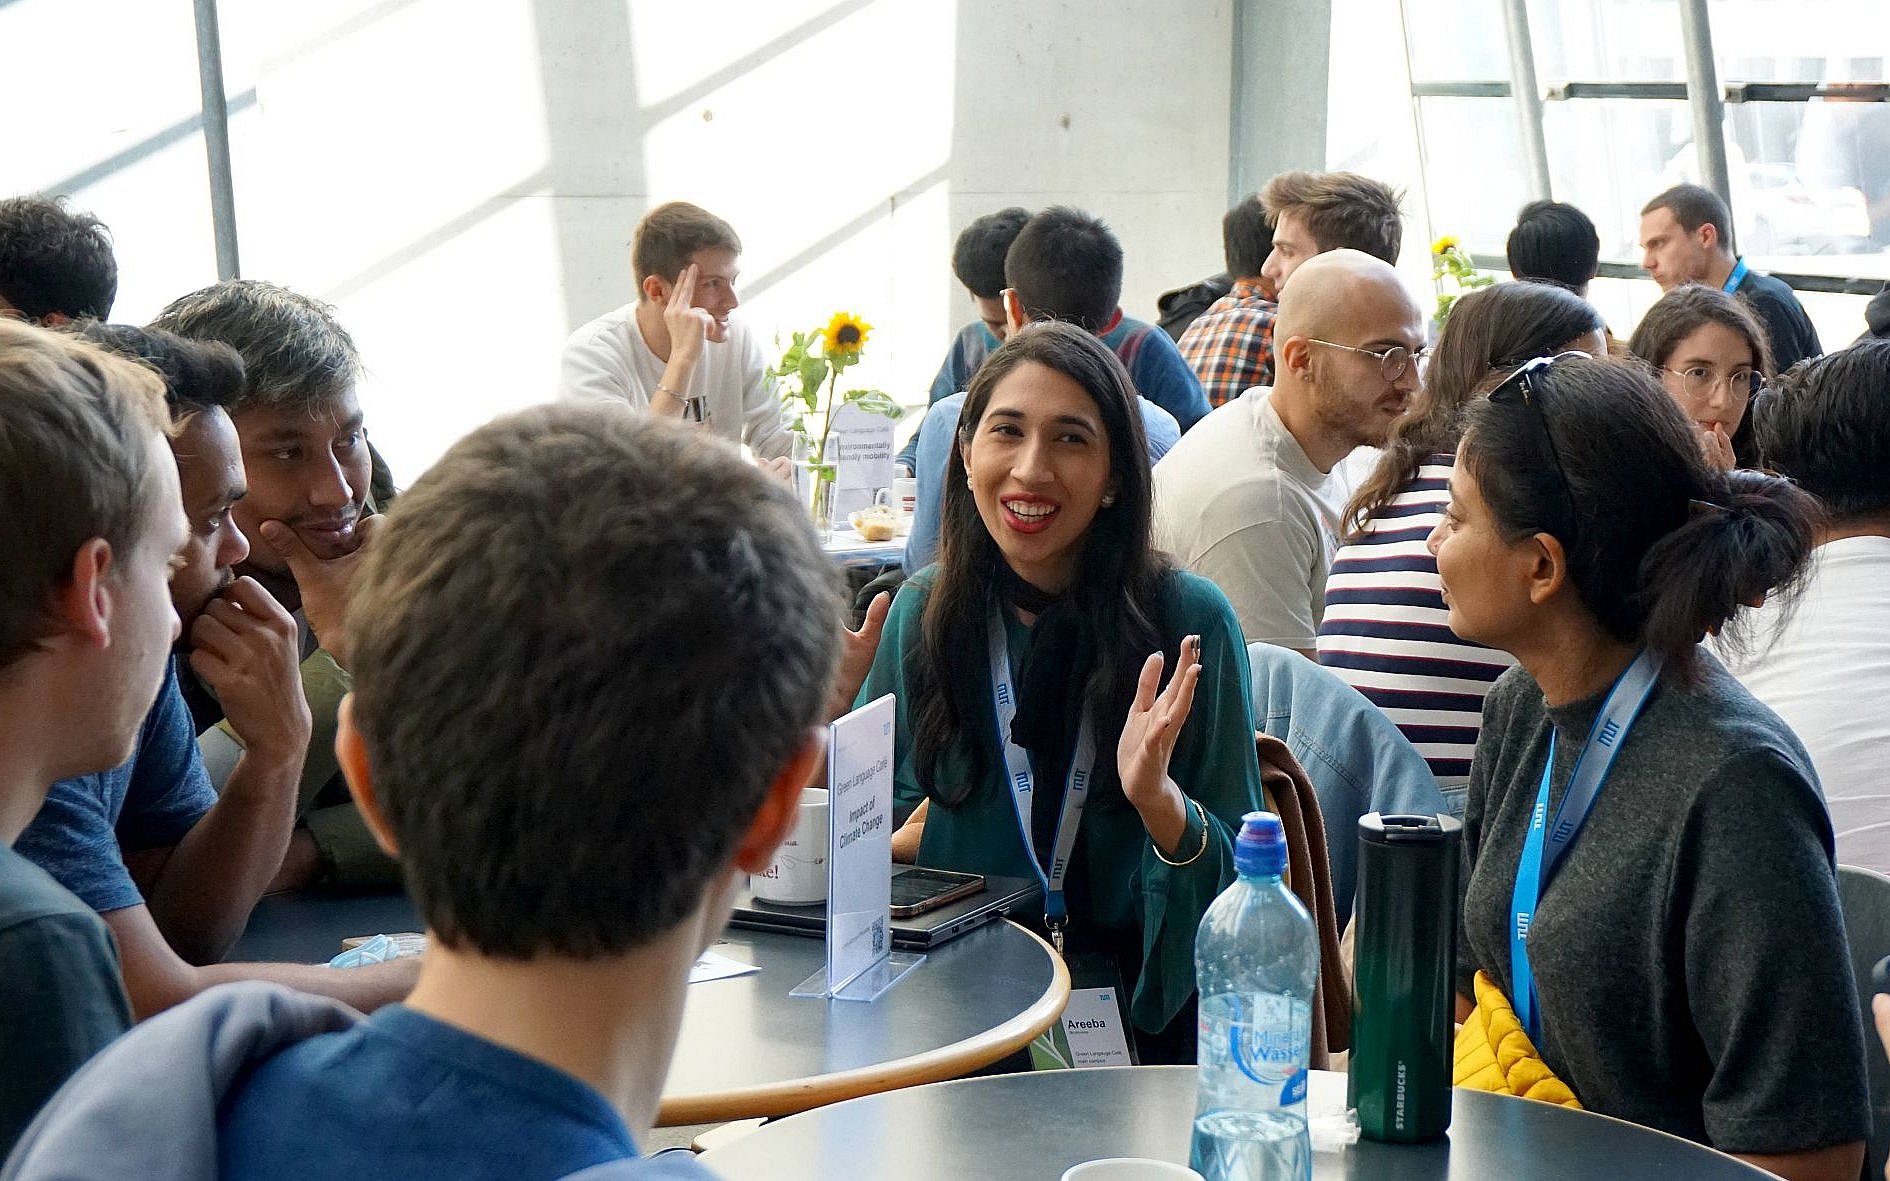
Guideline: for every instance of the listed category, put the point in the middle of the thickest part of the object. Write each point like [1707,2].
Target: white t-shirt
[1827,673]
[608,358]
[1237,501]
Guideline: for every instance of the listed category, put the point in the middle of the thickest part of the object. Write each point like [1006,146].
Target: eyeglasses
[1698,381]
[1392,362]
[1521,386]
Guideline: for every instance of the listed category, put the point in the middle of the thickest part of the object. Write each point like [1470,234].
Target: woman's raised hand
[857,649]
[1148,739]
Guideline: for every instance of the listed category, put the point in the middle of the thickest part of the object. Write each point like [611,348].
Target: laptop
[999,898]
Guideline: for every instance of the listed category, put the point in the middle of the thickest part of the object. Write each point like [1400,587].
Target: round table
[1034,1126]
[746,1047]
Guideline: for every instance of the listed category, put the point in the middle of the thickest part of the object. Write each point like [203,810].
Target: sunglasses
[1523,387]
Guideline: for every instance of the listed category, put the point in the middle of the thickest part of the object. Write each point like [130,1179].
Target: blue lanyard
[1737,277]
[1017,767]
[1547,842]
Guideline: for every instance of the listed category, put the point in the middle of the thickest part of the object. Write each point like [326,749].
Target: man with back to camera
[675,352]
[1820,657]
[1686,237]
[90,524]
[571,860]
[1230,346]
[1064,265]
[1556,243]
[1247,498]
[56,266]
[311,508]
[172,866]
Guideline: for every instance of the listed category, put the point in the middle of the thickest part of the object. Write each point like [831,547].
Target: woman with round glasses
[1384,630]
[1710,352]
[1032,727]
[1648,872]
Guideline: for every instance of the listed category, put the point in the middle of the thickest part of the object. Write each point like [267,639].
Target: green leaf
[875,402]
[813,371]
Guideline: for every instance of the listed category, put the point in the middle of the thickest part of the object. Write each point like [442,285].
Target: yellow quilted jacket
[1494,1053]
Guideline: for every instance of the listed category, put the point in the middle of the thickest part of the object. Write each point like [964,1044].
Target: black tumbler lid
[1402,828]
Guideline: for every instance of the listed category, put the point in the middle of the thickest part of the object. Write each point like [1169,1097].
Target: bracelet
[691,407]
[1202,813]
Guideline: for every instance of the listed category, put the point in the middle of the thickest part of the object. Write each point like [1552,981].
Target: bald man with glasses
[1247,498]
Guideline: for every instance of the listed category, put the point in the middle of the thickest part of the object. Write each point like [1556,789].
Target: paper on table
[718,967]
[1331,1126]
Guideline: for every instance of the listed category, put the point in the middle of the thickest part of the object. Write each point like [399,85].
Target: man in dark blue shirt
[1686,237]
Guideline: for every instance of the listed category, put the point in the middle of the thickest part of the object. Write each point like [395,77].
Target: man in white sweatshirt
[674,352]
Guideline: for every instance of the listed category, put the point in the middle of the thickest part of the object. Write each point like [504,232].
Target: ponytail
[1748,541]
[1661,547]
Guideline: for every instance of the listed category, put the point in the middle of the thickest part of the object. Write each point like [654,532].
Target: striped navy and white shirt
[1386,630]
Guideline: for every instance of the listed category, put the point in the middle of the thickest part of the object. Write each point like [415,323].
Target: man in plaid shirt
[1266,237]
[1230,346]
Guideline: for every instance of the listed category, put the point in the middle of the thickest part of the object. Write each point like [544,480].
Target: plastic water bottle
[1256,962]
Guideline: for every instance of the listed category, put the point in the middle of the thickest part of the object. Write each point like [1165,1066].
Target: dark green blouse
[1130,889]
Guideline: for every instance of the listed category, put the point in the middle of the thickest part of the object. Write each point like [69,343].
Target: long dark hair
[1496,328]
[1664,547]
[1119,574]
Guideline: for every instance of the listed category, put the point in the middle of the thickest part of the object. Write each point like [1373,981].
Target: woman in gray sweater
[1648,872]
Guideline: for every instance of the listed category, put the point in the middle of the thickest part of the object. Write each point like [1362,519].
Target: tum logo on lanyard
[1610,731]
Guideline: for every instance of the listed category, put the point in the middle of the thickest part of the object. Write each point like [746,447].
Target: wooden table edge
[939,1065]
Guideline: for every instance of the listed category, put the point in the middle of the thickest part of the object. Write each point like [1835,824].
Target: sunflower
[1444,245]
[845,333]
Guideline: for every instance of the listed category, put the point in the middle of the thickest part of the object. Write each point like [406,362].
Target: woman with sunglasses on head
[1047,595]
[1656,833]
[1384,631]
[1710,352]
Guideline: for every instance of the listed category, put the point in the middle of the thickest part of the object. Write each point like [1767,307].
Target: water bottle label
[1272,1048]
[1295,1090]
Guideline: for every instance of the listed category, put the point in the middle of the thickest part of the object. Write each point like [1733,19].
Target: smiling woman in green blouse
[1045,548]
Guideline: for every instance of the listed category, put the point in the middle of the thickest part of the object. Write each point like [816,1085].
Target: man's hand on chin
[323,582]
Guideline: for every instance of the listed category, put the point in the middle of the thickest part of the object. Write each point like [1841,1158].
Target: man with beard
[1246,498]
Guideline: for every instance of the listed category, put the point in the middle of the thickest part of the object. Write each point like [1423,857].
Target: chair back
[1356,758]
[1864,896]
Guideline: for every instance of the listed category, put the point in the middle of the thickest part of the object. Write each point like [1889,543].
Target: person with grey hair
[314,495]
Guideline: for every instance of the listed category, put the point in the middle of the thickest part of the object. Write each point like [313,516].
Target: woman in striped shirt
[1385,631]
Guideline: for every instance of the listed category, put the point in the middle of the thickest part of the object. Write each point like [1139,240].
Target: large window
[1806,131]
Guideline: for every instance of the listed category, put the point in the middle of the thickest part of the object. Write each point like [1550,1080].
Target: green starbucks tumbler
[1405,946]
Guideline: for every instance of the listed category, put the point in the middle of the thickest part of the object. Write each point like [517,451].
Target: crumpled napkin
[379,950]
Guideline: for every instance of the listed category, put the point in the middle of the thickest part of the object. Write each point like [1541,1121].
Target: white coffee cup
[798,873]
[905,495]
[1129,1168]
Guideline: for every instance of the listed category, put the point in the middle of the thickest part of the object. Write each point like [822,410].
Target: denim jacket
[1355,756]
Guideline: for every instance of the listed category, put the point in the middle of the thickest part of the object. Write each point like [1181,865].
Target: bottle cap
[1261,846]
